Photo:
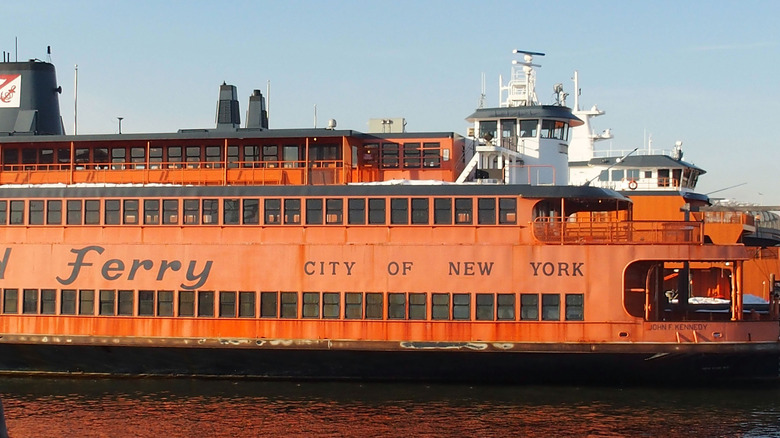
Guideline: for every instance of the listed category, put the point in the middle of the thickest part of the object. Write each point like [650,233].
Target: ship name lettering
[4,262]
[394,268]
[113,269]
[326,268]
[678,326]
[560,269]
[471,268]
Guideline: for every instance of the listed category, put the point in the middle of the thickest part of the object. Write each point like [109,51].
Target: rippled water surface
[46,407]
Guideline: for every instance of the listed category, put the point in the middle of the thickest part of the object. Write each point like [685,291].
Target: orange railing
[567,231]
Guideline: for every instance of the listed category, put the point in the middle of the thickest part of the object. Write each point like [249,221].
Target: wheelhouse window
[389,155]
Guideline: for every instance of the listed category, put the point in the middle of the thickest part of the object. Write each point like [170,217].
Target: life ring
[632,184]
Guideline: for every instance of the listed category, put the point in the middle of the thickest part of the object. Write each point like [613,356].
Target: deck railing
[568,231]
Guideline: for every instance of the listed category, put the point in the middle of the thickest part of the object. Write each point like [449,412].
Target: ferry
[336,254]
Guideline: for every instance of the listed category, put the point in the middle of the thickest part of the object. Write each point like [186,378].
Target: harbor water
[82,407]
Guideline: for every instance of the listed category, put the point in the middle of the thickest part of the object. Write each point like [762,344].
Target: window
[213,156]
[227,304]
[461,306]
[376,211]
[311,305]
[529,307]
[506,307]
[186,303]
[487,129]
[291,156]
[125,307]
[412,155]
[334,211]
[618,174]
[111,214]
[131,211]
[396,306]
[211,211]
[390,155]
[463,210]
[507,211]
[431,155]
[92,212]
[251,155]
[399,211]
[485,304]
[440,306]
[36,212]
[273,211]
[251,211]
[74,212]
[107,298]
[268,304]
[118,157]
[165,303]
[151,211]
[357,211]
[231,211]
[417,306]
[30,301]
[192,156]
[246,304]
[419,210]
[314,211]
[232,156]
[271,155]
[191,212]
[289,305]
[48,301]
[174,157]
[373,305]
[155,156]
[574,307]
[17,213]
[170,211]
[353,305]
[442,211]
[292,211]
[145,303]
[138,155]
[528,128]
[3,212]
[86,302]
[551,307]
[205,303]
[331,305]
[68,302]
[486,211]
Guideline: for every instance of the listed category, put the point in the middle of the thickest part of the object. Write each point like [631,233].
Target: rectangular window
[74,212]
[374,305]
[461,306]
[112,207]
[289,305]
[36,212]
[186,303]
[390,155]
[145,303]
[486,211]
[192,154]
[271,155]
[463,211]
[30,301]
[151,211]
[334,211]
[246,304]
[331,305]
[485,303]
[174,157]
[353,305]
[170,211]
[3,212]
[227,304]
[191,211]
[232,156]
[138,155]
[125,307]
[86,302]
[551,304]
[419,211]
[440,306]
[376,211]
[251,211]
[357,211]
[399,211]
[528,128]
[268,304]
[92,212]
[574,307]
[48,301]
[68,302]
[16,213]
[291,156]
[213,156]
[155,156]
[165,303]
[314,211]
[292,211]
[251,155]
[431,155]
[506,307]
[205,304]
[311,305]
[507,211]
[130,211]
[231,212]
[417,306]
[273,211]
[529,307]
[107,298]
[396,306]
[118,157]
[442,211]
[210,212]
[412,155]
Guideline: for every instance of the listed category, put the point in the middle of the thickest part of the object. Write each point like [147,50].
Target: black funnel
[29,99]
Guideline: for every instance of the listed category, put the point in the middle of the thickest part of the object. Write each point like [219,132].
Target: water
[48,407]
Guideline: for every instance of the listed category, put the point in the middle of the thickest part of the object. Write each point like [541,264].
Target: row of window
[315,305]
[274,211]
[510,130]
[412,155]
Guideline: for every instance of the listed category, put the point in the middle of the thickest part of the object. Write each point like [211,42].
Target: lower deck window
[417,306]
[551,307]
[165,303]
[440,306]
[227,304]
[205,303]
[311,305]
[106,302]
[246,304]
[485,303]
[331,305]
[374,305]
[574,307]
[68,302]
[48,301]
[30,301]
[268,304]
[125,306]
[506,307]
[86,302]
[289,306]
[11,301]
[529,307]
[461,306]
[353,305]
[186,303]
[146,303]
[396,306]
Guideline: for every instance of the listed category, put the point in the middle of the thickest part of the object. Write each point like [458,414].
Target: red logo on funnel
[9,86]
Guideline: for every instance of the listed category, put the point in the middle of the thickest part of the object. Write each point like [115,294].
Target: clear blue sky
[704,72]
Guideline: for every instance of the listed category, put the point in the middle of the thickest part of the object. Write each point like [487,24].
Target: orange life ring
[632,184]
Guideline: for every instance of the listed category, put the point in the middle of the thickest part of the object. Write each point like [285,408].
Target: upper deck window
[431,155]
[488,129]
[555,129]
[412,155]
[528,128]
[390,155]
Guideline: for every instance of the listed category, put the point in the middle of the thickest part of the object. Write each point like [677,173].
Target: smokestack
[228,116]
[257,115]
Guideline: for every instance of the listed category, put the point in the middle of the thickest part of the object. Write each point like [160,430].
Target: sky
[700,72]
